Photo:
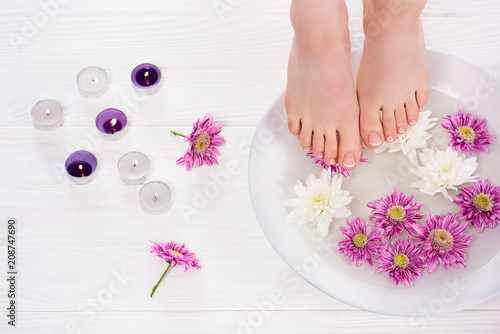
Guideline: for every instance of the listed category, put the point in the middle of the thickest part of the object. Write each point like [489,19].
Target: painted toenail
[421,108]
[349,160]
[401,130]
[374,139]
[331,161]
[319,155]
[412,122]
[390,138]
[307,148]
[296,137]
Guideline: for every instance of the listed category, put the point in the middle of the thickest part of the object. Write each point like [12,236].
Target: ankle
[386,14]
[320,25]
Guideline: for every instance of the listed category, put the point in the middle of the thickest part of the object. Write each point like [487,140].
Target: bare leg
[393,73]
[320,95]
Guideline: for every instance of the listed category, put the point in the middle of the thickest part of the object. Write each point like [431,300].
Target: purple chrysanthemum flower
[396,212]
[444,241]
[336,168]
[203,142]
[403,261]
[468,134]
[175,254]
[360,243]
[480,204]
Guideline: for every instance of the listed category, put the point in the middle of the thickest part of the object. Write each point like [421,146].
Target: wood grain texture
[84,262]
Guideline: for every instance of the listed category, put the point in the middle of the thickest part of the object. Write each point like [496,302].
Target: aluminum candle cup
[81,167]
[155,197]
[112,123]
[146,78]
[134,168]
[92,81]
[47,115]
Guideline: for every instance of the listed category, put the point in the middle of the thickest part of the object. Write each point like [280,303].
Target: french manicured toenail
[349,160]
[390,138]
[401,130]
[296,137]
[331,161]
[319,155]
[421,109]
[374,139]
[412,122]
[307,148]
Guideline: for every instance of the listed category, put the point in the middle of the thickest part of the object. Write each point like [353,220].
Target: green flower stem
[177,134]
[154,288]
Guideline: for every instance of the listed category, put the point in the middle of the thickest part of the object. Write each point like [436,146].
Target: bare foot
[393,72]
[320,95]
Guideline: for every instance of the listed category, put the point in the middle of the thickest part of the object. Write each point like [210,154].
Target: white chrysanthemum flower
[318,201]
[414,138]
[443,170]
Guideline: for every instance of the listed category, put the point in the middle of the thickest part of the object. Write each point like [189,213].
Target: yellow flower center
[441,239]
[482,202]
[201,142]
[360,240]
[177,254]
[396,213]
[401,260]
[466,133]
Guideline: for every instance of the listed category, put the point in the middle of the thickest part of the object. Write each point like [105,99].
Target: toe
[422,94]
[349,147]
[318,144]
[401,121]
[389,123]
[305,137]
[294,125]
[331,148]
[370,126]
[411,110]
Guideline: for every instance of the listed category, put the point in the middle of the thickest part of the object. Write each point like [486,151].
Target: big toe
[422,95]
[349,147]
[370,126]
[294,125]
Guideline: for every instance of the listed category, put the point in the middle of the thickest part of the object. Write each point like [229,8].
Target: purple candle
[81,166]
[147,78]
[112,123]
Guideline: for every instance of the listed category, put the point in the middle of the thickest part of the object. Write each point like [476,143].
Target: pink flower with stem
[395,212]
[203,143]
[480,204]
[360,243]
[174,254]
[468,134]
[403,261]
[444,241]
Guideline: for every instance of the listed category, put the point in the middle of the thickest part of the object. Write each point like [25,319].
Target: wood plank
[254,321]
[37,157]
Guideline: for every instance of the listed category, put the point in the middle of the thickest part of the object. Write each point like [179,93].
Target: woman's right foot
[320,96]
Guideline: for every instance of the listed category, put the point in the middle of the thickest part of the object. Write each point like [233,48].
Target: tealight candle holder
[146,78]
[112,123]
[81,166]
[92,81]
[155,197]
[134,167]
[47,115]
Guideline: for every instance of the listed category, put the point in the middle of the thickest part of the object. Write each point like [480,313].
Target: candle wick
[95,79]
[47,112]
[113,123]
[146,74]
[80,168]
[136,163]
[156,196]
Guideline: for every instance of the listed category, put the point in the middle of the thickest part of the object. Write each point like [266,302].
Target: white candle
[155,197]
[47,115]
[134,168]
[92,80]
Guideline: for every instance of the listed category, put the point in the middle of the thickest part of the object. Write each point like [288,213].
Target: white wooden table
[82,251]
